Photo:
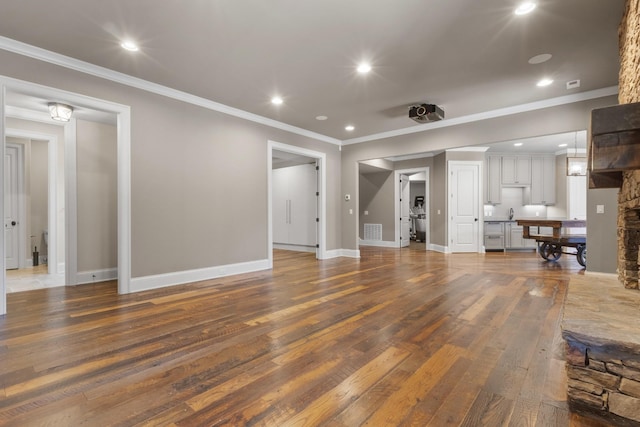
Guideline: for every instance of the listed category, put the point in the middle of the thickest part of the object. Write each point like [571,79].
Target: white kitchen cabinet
[543,180]
[294,205]
[493,183]
[516,170]
[515,240]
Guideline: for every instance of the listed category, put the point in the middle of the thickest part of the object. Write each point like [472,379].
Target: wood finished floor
[399,337]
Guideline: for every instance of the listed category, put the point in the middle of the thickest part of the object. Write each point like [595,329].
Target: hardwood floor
[399,337]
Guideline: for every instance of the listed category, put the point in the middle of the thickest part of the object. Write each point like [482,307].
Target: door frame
[321,159]
[52,219]
[427,202]
[123,115]
[480,236]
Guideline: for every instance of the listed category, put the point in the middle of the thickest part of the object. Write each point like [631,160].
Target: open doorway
[121,115]
[37,225]
[416,208]
[308,162]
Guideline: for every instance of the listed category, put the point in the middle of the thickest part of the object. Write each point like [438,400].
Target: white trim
[410,157]
[181,277]
[595,274]
[127,80]
[322,164]
[84,277]
[3,274]
[492,114]
[469,149]
[123,114]
[378,243]
[439,248]
[295,248]
[31,115]
[338,253]
[70,204]
[52,203]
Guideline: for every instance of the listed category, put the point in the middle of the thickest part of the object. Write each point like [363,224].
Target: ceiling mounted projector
[425,113]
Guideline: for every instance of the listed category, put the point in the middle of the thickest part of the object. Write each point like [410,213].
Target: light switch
[600,209]
[350,211]
[438,211]
[366,212]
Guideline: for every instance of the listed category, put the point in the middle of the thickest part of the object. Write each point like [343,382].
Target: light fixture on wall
[60,112]
[576,166]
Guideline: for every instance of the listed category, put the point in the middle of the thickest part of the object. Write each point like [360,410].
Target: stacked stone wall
[629,91]
[604,383]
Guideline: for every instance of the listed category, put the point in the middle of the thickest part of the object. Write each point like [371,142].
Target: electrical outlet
[600,209]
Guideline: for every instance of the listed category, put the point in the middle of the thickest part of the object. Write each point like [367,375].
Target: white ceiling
[467,56]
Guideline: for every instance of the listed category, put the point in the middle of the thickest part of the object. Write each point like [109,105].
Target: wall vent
[373,232]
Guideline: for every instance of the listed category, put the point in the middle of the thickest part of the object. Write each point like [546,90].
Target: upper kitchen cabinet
[543,180]
[493,183]
[516,170]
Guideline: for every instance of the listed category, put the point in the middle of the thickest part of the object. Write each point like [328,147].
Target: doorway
[416,202]
[321,227]
[80,102]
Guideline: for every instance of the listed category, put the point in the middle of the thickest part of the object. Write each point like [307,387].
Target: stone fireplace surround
[601,319]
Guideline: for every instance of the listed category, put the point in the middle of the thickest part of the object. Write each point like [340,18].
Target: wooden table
[556,224]
[550,246]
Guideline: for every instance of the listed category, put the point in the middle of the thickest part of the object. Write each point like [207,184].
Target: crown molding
[492,114]
[34,52]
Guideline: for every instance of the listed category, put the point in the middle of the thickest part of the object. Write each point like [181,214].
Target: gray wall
[97,196]
[564,118]
[199,177]
[377,197]
[602,231]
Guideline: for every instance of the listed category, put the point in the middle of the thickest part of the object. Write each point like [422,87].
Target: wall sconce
[60,112]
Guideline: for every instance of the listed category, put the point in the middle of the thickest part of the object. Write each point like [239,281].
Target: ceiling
[467,56]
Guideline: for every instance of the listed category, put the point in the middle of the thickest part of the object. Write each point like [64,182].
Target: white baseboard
[379,243]
[603,275]
[298,248]
[337,253]
[180,277]
[95,276]
[438,248]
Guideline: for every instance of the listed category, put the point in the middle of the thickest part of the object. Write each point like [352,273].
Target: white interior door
[464,206]
[405,206]
[11,224]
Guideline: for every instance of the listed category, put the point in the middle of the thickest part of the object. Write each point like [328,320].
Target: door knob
[475,219]
[13,223]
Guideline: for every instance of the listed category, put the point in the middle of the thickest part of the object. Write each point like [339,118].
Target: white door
[405,206]
[302,206]
[11,235]
[464,206]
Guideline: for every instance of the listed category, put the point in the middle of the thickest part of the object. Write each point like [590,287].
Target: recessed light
[321,118]
[130,46]
[539,59]
[517,144]
[524,8]
[349,128]
[562,145]
[276,100]
[364,68]
[544,82]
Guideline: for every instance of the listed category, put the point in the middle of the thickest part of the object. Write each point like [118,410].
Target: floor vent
[373,232]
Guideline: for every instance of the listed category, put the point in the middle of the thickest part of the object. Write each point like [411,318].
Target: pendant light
[576,166]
